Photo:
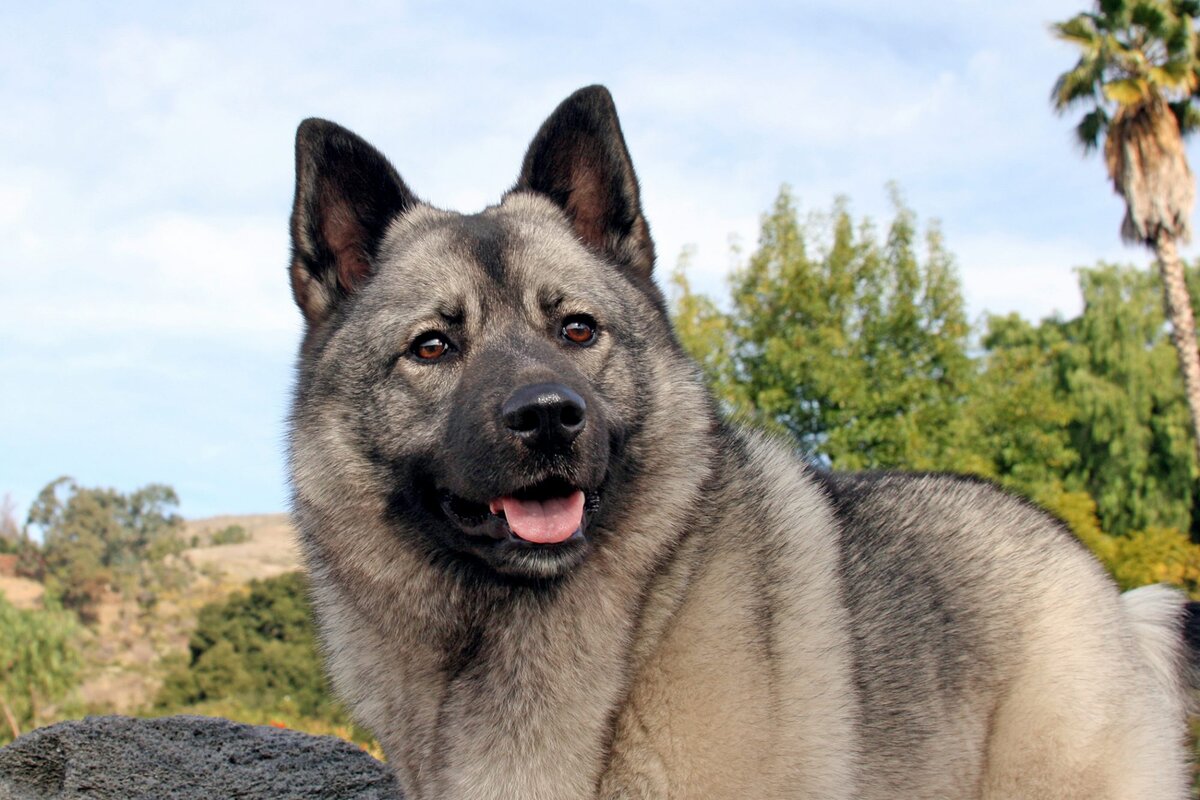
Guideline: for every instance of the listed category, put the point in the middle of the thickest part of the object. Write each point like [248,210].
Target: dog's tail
[1167,628]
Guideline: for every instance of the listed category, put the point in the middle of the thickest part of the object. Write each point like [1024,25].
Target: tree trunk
[1178,308]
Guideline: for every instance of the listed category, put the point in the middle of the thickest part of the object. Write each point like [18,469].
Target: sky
[147,332]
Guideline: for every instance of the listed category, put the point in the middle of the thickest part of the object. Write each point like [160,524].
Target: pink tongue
[542,521]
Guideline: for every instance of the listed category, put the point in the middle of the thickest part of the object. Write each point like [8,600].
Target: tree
[1137,73]
[1019,409]
[854,345]
[98,538]
[1092,404]
[1131,422]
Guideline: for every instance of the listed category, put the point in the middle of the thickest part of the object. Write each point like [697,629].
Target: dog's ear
[346,194]
[579,160]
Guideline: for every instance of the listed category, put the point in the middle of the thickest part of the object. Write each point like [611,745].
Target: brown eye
[430,347]
[579,329]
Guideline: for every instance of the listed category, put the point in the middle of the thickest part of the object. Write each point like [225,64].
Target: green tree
[93,539]
[708,336]
[1131,426]
[231,534]
[854,345]
[1019,412]
[39,663]
[1137,73]
[1092,404]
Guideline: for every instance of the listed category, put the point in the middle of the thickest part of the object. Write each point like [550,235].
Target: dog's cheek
[403,412]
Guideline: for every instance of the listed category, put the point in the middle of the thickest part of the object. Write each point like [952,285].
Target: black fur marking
[1191,631]
[485,240]
[462,650]
[896,554]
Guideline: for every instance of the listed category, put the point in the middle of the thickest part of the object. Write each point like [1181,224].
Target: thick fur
[736,624]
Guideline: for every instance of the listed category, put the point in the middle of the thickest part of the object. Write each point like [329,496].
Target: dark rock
[187,758]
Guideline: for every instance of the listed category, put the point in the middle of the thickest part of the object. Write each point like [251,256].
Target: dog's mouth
[549,513]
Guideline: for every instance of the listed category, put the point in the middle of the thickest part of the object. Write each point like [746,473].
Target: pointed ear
[579,160]
[346,195]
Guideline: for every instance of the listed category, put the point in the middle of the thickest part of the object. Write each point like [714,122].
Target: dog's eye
[579,329]
[430,346]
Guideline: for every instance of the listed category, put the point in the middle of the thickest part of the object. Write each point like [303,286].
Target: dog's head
[486,376]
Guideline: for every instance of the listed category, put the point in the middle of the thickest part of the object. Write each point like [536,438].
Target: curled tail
[1167,627]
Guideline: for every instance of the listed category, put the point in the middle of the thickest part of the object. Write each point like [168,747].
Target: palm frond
[1174,77]
[1115,11]
[1080,85]
[1091,128]
[1186,8]
[1177,38]
[1127,91]
[1079,30]
[1151,16]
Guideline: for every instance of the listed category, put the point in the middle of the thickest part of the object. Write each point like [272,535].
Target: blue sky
[147,332]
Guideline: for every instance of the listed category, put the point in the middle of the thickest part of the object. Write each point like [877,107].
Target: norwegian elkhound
[544,567]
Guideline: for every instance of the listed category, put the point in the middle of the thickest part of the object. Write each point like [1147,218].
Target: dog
[543,566]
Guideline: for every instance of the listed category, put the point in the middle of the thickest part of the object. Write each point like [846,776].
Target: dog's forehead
[523,244]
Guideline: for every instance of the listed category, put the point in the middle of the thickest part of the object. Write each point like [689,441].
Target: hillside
[270,551]
[127,649]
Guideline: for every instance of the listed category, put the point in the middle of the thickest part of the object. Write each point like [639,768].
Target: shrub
[257,649]
[39,663]
[234,534]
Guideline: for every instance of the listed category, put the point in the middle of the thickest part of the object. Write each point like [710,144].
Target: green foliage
[233,534]
[1131,428]
[854,345]
[97,539]
[1018,415]
[39,663]
[1105,399]
[708,336]
[257,650]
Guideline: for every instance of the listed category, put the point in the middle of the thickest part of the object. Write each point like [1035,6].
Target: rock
[187,758]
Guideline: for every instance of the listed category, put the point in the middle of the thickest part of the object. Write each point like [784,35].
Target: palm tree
[1138,72]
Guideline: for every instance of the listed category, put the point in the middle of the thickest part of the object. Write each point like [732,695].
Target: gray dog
[544,567]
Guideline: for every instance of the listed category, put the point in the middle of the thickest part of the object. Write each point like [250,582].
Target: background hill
[269,551]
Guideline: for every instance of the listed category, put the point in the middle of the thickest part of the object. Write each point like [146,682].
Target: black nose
[544,415]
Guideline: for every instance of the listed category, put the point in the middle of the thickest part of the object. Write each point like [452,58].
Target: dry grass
[270,551]
[22,592]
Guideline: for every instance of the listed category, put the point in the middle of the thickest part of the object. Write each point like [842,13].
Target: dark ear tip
[597,91]
[313,127]
[595,97]
[315,131]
